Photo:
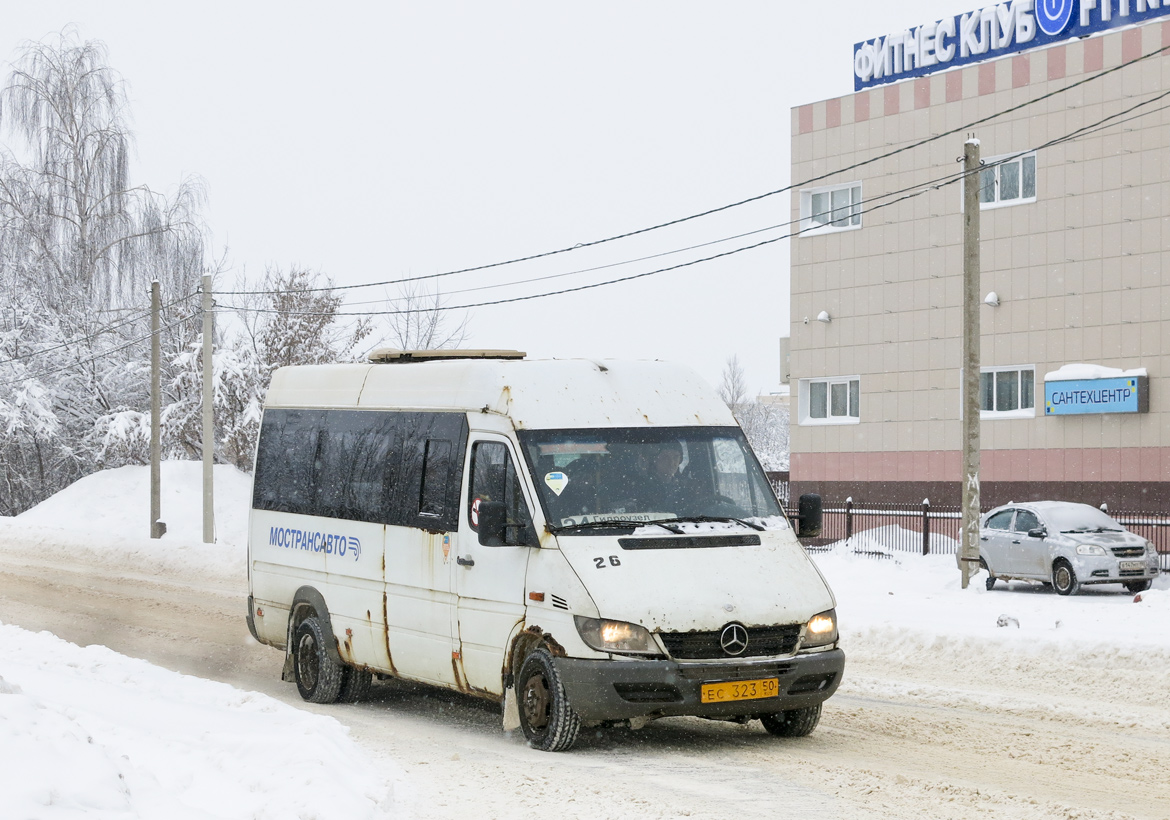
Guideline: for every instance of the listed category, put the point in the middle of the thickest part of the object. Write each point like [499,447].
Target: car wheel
[792,723]
[548,721]
[319,677]
[1064,580]
[1139,586]
[989,581]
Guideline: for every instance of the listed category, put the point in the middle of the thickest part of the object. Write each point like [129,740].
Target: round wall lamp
[824,316]
[992,299]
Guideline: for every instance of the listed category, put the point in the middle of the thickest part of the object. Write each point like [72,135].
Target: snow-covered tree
[765,424]
[79,245]
[290,318]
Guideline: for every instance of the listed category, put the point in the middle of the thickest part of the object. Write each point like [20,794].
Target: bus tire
[318,676]
[547,718]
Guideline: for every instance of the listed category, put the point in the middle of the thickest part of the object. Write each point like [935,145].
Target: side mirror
[493,523]
[495,531]
[1037,532]
[808,513]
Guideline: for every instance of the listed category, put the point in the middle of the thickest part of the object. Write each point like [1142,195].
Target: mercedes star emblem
[734,639]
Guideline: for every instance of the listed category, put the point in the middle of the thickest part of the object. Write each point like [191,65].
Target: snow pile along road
[90,733]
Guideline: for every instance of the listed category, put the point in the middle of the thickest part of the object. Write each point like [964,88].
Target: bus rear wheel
[319,677]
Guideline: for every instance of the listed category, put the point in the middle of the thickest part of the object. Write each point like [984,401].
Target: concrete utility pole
[208,422]
[969,546]
[157,528]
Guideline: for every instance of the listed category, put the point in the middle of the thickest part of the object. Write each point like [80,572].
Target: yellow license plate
[739,690]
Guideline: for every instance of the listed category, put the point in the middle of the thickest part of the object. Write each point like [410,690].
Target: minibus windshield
[588,477]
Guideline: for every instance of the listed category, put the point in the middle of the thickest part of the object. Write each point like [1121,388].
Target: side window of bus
[494,478]
[436,468]
[285,462]
[354,466]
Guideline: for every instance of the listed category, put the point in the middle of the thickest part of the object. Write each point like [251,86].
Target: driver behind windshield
[662,487]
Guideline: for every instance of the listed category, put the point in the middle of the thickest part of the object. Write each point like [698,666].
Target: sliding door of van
[421,544]
[490,577]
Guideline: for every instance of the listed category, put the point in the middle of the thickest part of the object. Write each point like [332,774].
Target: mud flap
[288,674]
[511,710]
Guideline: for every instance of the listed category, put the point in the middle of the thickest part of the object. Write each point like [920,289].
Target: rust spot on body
[464,688]
[386,635]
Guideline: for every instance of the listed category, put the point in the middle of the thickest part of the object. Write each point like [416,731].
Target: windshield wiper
[1108,529]
[719,519]
[1078,529]
[615,523]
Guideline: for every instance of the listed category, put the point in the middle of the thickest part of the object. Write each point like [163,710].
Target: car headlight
[615,636]
[1090,549]
[1151,549]
[821,629]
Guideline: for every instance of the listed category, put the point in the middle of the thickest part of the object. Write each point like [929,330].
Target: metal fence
[878,528]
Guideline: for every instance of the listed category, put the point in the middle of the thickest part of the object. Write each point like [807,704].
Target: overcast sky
[375,141]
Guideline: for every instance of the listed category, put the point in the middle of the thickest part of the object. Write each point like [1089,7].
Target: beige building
[1075,238]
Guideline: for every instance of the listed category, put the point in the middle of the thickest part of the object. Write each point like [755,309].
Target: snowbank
[107,516]
[88,732]
[117,502]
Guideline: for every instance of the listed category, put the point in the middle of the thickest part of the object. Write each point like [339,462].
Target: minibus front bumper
[600,690]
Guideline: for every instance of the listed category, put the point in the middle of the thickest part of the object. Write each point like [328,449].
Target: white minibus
[585,542]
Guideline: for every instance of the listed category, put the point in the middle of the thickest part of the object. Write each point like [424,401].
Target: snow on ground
[110,511]
[90,733]
[87,732]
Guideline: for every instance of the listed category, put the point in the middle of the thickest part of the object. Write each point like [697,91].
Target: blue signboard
[1127,394]
[1004,28]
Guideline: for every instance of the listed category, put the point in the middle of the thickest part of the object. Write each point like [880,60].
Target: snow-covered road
[941,714]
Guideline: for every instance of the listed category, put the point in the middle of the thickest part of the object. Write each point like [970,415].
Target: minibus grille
[763,641]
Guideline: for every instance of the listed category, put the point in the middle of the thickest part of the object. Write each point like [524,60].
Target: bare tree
[423,323]
[733,386]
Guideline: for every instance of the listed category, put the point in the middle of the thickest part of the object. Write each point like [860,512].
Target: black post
[926,526]
[848,518]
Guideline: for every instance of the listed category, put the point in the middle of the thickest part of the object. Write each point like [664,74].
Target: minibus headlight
[821,629]
[615,636]
[1090,549]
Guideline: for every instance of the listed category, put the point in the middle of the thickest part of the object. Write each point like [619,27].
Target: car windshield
[1080,518]
[590,479]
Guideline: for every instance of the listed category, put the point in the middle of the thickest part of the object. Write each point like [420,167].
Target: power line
[721,208]
[595,268]
[912,192]
[89,337]
[245,309]
[95,357]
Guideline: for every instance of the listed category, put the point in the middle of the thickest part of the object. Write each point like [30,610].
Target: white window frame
[1019,412]
[821,222]
[853,401]
[996,167]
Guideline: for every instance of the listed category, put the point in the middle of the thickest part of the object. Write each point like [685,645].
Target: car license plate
[1128,566]
[739,690]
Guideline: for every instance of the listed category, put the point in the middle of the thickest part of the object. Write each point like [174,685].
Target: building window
[1007,392]
[1007,180]
[830,401]
[834,208]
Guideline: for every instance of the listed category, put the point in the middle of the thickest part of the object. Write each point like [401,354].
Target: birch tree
[79,244]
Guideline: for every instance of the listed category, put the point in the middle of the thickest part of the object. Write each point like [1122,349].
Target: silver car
[1063,544]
